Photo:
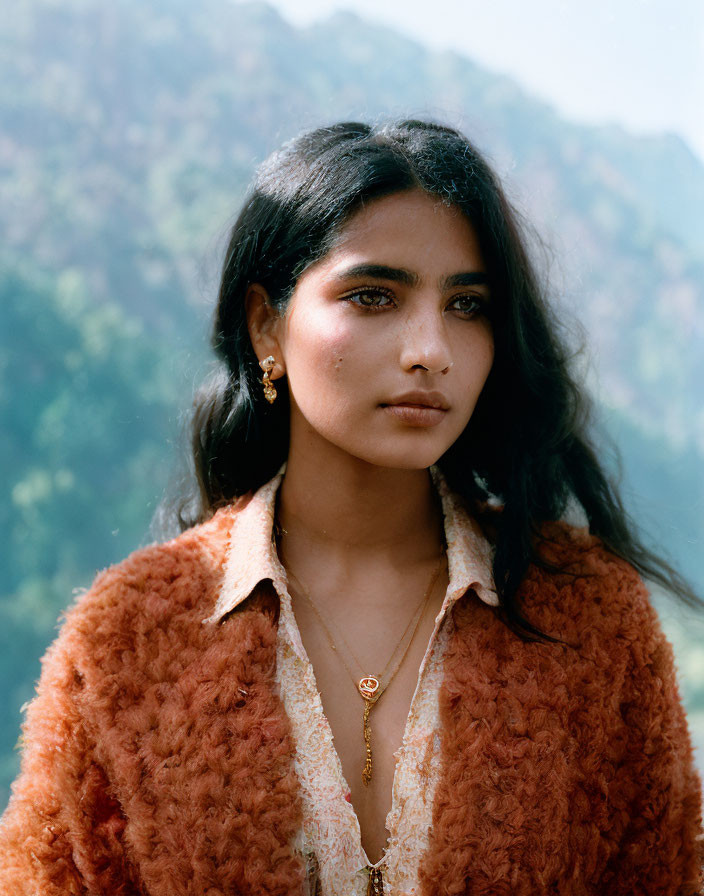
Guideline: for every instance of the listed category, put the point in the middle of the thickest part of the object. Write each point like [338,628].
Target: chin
[409,459]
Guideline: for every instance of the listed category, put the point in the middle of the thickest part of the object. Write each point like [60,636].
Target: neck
[357,512]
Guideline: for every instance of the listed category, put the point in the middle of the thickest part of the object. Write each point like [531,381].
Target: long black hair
[528,442]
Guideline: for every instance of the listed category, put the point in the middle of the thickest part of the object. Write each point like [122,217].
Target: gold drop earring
[269,389]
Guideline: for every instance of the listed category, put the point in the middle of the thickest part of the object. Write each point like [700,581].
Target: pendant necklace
[372,686]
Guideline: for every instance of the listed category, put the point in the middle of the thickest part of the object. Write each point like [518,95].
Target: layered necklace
[372,685]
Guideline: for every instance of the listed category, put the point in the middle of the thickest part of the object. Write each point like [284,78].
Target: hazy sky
[636,62]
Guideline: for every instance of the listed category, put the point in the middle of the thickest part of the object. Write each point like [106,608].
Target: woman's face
[398,306]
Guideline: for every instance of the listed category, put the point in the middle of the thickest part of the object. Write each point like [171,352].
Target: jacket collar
[252,556]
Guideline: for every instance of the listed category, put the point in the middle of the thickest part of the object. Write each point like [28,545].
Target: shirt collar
[252,555]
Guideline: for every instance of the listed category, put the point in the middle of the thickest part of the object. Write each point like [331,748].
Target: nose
[425,344]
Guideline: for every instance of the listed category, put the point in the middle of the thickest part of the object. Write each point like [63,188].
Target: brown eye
[471,304]
[368,298]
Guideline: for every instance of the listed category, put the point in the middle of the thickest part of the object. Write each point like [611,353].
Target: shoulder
[164,584]
[583,589]
[598,602]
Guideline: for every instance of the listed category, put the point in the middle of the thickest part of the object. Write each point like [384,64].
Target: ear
[264,325]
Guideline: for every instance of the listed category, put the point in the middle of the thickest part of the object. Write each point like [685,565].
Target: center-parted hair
[527,444]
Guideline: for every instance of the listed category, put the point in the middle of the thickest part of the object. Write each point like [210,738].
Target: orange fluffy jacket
[158,758]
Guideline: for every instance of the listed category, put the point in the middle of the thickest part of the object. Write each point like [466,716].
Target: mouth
[411,404]
[420,398]
[415,414]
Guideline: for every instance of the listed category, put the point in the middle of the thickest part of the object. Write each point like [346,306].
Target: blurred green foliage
[88,401]
[129,132]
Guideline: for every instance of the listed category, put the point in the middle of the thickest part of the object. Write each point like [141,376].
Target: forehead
[413,224]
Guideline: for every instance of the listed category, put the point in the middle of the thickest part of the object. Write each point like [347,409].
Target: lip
[414,414]
[419,399]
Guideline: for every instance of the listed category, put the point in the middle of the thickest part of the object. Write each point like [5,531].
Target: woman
[375,660]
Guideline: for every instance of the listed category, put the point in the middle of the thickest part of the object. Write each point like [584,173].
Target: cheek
[478,361]
[324,348]
[485,348]
[489,354]
[326,353]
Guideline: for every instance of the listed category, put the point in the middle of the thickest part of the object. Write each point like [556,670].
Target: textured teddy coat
[157,755]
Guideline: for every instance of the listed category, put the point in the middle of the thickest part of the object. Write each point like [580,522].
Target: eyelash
[482,304]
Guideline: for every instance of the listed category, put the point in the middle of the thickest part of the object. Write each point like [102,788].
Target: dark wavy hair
[527,444]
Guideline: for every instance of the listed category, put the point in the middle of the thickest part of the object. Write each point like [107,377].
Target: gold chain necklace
[370,686]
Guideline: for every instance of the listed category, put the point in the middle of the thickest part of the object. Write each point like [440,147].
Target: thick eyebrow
[407,278]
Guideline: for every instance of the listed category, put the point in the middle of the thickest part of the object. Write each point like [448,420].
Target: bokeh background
[129,131]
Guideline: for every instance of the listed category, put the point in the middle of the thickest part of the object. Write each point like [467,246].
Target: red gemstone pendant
[369,687]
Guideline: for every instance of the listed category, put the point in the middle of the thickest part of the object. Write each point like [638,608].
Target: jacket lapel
[501,806]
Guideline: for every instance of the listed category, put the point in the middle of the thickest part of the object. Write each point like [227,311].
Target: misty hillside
[128,134]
